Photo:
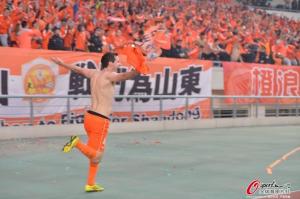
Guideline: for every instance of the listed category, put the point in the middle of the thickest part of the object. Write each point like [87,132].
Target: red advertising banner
[244,79]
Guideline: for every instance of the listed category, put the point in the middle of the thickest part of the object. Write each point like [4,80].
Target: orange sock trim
[93,169]
[86,150]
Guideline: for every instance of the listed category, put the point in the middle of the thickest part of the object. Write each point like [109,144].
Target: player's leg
[88,151]
[91,124]
[96,141]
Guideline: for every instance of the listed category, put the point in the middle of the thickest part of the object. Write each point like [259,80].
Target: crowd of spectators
[197,29]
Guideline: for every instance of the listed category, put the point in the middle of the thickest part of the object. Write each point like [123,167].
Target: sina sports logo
[39,80]
[253,187]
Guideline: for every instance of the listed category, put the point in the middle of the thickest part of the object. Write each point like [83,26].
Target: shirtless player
[96,120]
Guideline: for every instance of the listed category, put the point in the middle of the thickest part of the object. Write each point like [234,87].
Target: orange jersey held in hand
[135,58]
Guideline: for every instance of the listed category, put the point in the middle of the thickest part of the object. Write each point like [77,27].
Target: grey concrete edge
[78,129]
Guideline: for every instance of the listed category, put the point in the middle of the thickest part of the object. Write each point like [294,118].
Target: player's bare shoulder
[111,76]
[104,77]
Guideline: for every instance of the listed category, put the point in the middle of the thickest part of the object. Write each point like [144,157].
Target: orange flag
[135,58]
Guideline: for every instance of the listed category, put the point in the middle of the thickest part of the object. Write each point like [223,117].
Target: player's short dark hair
[106,58]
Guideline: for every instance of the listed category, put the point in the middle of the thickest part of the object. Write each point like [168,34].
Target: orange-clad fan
[26,35]
[81,39]
[5,27]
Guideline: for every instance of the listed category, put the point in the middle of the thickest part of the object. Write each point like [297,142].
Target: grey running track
[193,164]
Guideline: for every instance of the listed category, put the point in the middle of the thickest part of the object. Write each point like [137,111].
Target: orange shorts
[96,127]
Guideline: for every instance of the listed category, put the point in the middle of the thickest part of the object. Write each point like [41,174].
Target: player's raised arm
[83,71]
[117,77]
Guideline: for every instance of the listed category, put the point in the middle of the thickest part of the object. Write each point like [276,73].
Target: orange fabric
[162,40]
[118,41]
[280,48]
[221,37]
[42,24]
[31,18]
[66,13]
[90,26]
[229,48]
[25,37]
[298,55]
[230,43]
[15,3]
[93,170]
[194,53]
[13,38]
[46,38]
[63,31]
[248,39]
[50,19]
[17,15]
[68,39]
[88,151]
[135,58]
[35,44]
[96,128]
[268,48]
[81,40]
[2,7]
[42,7]
[291,52]
[4,24]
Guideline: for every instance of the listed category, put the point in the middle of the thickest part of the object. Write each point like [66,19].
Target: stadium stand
[220,30]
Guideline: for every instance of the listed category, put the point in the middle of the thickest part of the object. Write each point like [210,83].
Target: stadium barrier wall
[151,126]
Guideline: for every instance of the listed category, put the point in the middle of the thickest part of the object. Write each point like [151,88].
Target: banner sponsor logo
[39,78]
[261,80]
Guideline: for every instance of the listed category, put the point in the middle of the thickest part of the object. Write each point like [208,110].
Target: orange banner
[30,72]
[242,79]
